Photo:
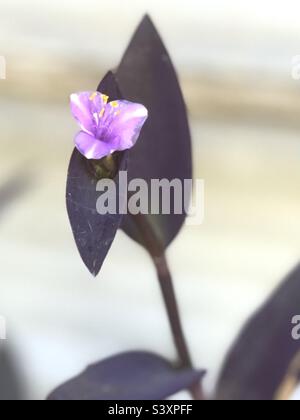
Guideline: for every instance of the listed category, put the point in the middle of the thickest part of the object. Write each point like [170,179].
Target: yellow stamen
[101,113]
[93,96]
[105,98]
[114,104]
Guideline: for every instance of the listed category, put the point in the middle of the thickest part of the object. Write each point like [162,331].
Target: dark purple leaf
[259,359]
[146,75]
[93,233]
[128,376]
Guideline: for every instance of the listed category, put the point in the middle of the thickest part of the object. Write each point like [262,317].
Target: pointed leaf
[93,233]
[128,376]
[259,359]
[146,75]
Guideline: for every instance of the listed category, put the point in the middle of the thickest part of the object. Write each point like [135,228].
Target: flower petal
[85,106]
[92,148]
[126,123]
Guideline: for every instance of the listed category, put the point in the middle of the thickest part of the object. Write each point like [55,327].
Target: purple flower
[106,127]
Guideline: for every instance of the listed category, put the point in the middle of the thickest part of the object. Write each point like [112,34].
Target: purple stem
[154,246]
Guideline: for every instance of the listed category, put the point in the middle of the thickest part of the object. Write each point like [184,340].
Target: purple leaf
[93,233]
[259,359]
[146,75]
[128,376]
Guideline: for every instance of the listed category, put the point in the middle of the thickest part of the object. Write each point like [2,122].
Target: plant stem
[168,293]
[156,249]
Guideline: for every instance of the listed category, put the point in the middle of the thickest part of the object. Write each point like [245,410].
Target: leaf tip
[108,83]
[147,19]
[94,273]
[147,24]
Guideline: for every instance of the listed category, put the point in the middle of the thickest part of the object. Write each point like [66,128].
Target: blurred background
[234,60]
